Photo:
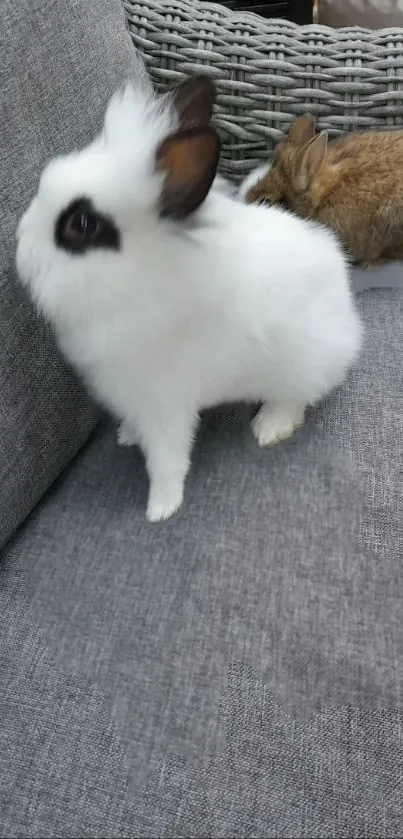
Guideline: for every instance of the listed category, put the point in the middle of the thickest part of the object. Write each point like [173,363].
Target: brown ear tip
[206,84]
[307,118]
[203,78]
[198,80]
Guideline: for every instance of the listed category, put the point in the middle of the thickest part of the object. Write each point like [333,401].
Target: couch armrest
[269,71]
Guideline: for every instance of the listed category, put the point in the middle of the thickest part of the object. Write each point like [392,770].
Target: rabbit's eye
[80,228]
[83,225]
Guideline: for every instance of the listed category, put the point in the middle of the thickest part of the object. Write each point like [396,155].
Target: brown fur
[189,159]
[354,185]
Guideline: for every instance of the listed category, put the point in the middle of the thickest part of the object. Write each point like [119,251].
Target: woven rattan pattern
[269,71]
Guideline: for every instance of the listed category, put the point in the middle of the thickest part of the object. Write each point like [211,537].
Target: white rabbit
[170,297]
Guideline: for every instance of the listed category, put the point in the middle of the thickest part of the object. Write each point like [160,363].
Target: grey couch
[237,671]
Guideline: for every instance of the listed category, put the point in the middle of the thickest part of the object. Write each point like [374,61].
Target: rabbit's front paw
[271,425]
[125,435]
[164,501]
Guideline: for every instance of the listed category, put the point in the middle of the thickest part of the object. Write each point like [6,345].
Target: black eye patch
[80,227]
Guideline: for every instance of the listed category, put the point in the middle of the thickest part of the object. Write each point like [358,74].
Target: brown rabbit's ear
[189,159]
[194,100]
[302,130]
[312,158]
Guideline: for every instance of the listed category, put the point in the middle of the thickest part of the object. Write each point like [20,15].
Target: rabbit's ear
[312,158]
[302,130]
[189,159]
[194,100]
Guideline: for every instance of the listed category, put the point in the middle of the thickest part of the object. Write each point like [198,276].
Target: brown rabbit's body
[353,185]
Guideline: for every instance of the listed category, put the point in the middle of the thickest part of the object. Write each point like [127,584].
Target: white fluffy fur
[239,303]
[252,179]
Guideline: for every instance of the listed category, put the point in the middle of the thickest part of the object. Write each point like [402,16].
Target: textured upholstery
[236,671]
[59,63]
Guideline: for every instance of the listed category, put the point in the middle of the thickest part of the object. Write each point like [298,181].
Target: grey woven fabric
[269,71]
[236,671]
[59,63]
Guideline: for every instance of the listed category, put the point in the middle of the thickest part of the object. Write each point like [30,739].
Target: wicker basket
[268,71]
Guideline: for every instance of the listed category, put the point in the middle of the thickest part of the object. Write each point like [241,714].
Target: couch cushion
[236,671]
[59,63]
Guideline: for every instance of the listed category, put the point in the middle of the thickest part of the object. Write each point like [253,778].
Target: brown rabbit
[354,185]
